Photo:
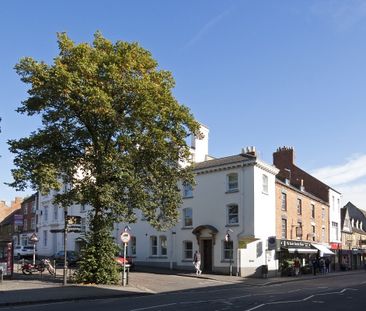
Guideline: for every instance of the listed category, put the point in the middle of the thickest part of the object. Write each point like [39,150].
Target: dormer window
[232,182]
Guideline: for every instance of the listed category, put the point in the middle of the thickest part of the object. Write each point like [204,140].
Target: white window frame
[55,212]
[283,228]
[283,201]
[231,215]
[232,182]
[163,245]
[187,221]
[187,251]
[187,190]
[227,250]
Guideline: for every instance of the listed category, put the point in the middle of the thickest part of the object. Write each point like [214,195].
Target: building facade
[307,213]
[353,250]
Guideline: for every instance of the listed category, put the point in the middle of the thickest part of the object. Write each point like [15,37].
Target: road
[346,292]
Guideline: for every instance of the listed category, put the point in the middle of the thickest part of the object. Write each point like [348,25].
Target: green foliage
[111,128]
[97,264]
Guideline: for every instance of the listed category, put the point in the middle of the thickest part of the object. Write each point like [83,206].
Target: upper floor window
[323,234]
[33,207]
[265,183]
[25,222]
[25,210]
[323,213]
[33,223]
[45,215]
[187,217]
[314,232]
[284,228]
[283,201]
[55,213]
[82,208]
[335,229]
[232,182]
[312,206]
[299,207]
[187,190]
[232,214]
[187,249]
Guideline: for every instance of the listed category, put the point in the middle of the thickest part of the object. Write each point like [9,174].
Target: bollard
[1,276]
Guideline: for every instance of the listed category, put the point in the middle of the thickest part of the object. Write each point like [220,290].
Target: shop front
[291,250]
[6,258]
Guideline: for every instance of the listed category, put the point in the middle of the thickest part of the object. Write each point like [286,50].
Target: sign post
[34,240]
[125,238]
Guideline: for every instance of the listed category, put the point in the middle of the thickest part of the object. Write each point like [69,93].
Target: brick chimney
[284,157]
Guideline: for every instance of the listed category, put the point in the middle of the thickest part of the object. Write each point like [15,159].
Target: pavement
[35,289]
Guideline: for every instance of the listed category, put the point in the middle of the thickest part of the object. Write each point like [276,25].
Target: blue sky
[257,73]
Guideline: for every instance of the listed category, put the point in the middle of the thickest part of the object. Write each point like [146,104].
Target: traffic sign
[125,237]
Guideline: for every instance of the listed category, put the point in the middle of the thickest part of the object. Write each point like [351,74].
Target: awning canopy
[302,250]
[323,249]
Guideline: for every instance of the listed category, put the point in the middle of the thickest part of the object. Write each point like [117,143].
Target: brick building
[304,212]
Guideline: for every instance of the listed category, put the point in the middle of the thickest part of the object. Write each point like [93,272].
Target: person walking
[197,262]
[327,265]
[297,266]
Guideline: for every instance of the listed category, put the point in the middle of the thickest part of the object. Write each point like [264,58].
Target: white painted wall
[335,203]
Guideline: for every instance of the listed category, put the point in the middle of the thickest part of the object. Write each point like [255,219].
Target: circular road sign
[125,237]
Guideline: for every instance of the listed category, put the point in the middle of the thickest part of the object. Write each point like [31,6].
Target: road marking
[300,300]
[154,307]
[293,291]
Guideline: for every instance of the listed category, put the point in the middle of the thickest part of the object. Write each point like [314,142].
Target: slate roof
[223,161]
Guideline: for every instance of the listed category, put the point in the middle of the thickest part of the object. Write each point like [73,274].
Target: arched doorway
[206,235]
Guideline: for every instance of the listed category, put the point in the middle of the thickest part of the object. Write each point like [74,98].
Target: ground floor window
[188,249]
[227,250]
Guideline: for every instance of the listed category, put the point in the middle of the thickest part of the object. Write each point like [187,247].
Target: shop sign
[295,244]
[335,245]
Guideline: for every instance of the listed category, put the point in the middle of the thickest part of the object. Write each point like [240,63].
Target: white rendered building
[233,196]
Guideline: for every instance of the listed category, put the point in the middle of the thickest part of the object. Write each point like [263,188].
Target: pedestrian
[327,265]
[315,265]
[297,266]
[322,265]
[197,262]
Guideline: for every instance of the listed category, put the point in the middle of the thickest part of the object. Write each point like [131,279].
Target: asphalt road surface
[345,292]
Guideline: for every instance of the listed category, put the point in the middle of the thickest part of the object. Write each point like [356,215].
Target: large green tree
[113,131]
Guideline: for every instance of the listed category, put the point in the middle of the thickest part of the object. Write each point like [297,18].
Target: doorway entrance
[207,255]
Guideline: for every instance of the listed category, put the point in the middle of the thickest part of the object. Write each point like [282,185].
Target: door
[207,255]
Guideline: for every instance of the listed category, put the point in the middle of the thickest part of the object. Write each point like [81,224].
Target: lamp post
[125,238]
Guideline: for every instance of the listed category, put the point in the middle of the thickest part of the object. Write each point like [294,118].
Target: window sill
[158,257]
[232,191]
[188,260]
[232,225]
[187,228]
[227,261]
[266,193]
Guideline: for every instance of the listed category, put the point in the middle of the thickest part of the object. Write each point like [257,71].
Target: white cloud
[352,170]
[207,27]
[347,178]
